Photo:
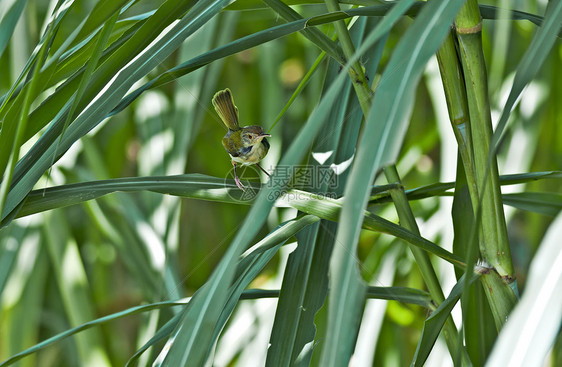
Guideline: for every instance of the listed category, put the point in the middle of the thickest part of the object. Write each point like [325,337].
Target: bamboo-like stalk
[457,106]
[408,221]
[483,183]
[356,72]
[494,245]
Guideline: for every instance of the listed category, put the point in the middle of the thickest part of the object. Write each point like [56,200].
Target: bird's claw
[239,184]
[237,180]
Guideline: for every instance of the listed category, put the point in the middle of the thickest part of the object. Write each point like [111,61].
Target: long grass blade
[434,323]
[97,111]
[530,64]
[8,23]
[384,130]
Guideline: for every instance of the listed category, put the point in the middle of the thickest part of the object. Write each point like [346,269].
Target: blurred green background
[67,266]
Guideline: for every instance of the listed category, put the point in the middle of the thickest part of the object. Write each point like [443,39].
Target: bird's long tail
[227,111]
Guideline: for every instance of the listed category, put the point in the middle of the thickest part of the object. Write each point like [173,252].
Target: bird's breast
[250,155]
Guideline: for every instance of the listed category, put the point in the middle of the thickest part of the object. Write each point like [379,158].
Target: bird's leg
[236,179]
[264,171]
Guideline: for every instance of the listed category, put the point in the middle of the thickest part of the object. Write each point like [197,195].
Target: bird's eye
[250,136]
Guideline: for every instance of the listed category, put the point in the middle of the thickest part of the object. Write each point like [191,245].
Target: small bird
[246,145]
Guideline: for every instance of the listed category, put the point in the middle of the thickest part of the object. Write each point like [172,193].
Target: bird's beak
[265,136]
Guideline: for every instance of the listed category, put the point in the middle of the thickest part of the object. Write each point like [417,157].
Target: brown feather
[227,111]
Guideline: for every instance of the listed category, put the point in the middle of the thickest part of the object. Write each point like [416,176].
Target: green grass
[392,199]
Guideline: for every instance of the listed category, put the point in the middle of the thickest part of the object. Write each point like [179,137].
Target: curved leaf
[384,130]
